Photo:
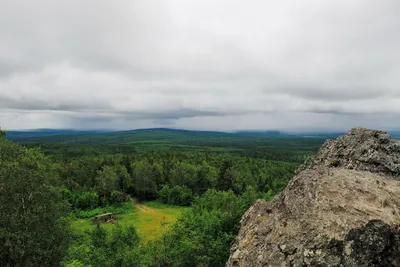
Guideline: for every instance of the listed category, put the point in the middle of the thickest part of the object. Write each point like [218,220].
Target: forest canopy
[43,194]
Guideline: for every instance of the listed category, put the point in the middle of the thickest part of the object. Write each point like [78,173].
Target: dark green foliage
[164,194]
[202,237]
[86,200]
[144,180]
[222,187]
[149,172]
[177,195]
[206,177]
[227,178]
[125,179]
[32,230]
[102,248]
[257,145]
[2,133]
[219,174]
[117,197]
[183,174]
[107,181]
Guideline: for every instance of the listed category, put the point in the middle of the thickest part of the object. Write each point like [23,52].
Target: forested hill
[273,145]
[38,134]
[118,137]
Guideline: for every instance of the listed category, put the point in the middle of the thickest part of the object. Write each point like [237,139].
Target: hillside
[140,135]
[270,145]
[38,134]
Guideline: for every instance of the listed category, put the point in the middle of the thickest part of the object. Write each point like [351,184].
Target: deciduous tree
[32,229]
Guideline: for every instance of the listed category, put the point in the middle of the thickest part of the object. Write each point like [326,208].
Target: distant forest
[272,145]
[53,179]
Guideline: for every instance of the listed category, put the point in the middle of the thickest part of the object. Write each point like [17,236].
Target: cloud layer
[221,65]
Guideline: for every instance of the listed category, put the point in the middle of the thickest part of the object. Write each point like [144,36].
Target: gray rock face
[360,149]
[341,209]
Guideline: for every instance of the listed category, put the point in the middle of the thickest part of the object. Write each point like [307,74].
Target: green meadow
[150,219]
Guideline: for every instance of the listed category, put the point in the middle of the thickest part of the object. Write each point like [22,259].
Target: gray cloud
[200,64]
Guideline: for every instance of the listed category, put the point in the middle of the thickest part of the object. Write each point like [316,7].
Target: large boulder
[341,209]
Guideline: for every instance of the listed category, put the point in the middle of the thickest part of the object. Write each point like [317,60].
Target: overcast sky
[206,64]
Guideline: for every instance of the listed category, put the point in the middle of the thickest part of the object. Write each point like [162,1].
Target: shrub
[87,200]
[117,197]
[177,195]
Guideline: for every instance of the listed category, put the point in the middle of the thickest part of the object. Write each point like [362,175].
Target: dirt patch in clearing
[142,207]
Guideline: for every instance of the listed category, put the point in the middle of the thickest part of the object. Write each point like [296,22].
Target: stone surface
[341,209]
[360,149]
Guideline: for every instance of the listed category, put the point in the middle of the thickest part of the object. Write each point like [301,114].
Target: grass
[151,219]
[85,214]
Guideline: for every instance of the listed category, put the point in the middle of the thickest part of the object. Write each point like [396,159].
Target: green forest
[175,197]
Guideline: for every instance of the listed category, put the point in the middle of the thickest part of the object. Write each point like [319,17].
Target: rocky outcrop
[341,209]
[360,149]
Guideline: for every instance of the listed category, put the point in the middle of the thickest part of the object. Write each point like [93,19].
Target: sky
[200,64]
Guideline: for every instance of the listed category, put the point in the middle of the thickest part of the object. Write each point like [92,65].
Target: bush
[177,195]
[68,196]
[181,195]
[203,235]
[117,197]
[99,247]
[164,193]
[87,200]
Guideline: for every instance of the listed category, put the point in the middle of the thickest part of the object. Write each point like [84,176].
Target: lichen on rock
[341,209]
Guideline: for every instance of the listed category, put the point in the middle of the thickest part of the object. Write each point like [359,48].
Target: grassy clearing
[86,214]
[151,219]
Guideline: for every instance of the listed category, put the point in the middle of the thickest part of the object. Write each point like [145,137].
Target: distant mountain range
[26,134]
[127,136]
[67,135]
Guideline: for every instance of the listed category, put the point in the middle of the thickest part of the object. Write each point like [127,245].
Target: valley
[176,191]
[150,219]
